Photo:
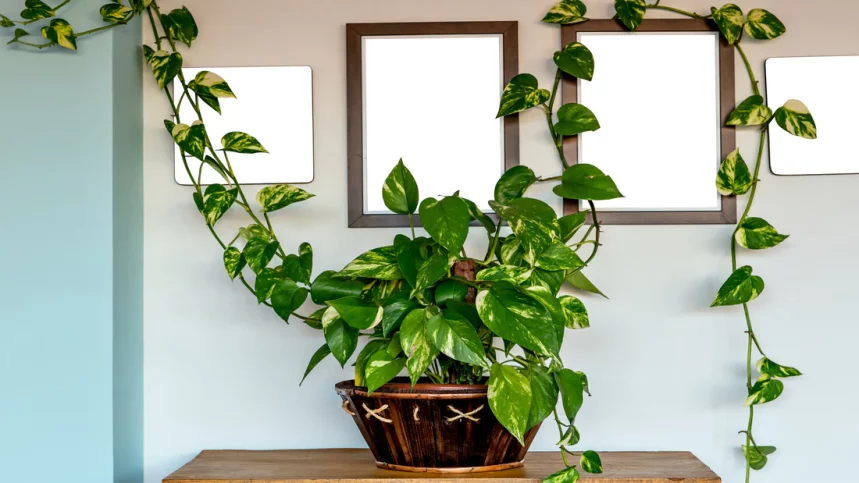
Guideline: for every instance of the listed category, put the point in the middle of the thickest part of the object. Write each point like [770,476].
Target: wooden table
[357,466]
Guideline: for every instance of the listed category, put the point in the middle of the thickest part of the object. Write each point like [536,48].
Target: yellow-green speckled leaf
[757,456]
[192,139]
[575,313]
[730,20]
[6,22]
[273,198]
[505,273]
[522,93]
[567,12]
[591,462]
[567,475]
[519,318]
[37,10]
[576,60]
[772,369]
[239,142]
[216,201]
[234,262]
[115,13]
[509,397]
[750,112]
[60,32]
[630,12]
[766,389]
[734,177]
[165,65]
[763,25]
[400,191]
[740,288]
[757,234]
[795,118]
[379,263]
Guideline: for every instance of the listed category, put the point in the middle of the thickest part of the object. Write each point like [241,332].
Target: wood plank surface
[358,466]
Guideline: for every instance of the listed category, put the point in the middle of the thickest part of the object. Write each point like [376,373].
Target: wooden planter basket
[436,428]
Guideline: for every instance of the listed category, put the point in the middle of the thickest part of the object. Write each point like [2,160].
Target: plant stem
[596,226]
[494,245]
[28,22]
[412,225]
[752,77]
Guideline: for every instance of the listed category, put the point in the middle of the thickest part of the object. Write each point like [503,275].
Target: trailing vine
[735,179]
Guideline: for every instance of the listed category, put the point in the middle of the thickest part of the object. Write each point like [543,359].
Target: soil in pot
[432,427]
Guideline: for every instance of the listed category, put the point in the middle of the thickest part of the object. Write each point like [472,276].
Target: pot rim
[401,388]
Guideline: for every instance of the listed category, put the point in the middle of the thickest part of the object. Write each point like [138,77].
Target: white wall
[667,373]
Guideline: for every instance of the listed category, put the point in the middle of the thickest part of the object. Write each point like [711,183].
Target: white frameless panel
[827,85]
[273,104]
[432,101]
[656,96]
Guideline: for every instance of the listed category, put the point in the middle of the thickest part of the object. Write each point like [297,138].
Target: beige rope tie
[462,415]
[415,414]
[376,413]
[346,408]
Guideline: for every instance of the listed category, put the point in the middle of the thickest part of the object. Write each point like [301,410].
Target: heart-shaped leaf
[534,223]
[772,369]
[192,139]
[446,221]
[513,184]
[341,338]
[6,22]
[259,252]
[575,313]
[586,182]
[544,395]
[216,201]
[115,13]
[478,215]
[763,25]
[522,93]
[363,358]
[326,288]
[234,262]
[740,288]
[757,234]
[766,389]
[504,273]
[287,297]
[381,368]
[559,257]
[273,198]
[60,32]
[400,191]
[518,318]
[357,313]
[734,177]
[433,269]
[450,290]
[757,456]
[547,299]
[379,263]
[591,462]
[210,87]
[317,357]
[794,118]
[165,66]
[567,475]
[730,20]
[416,344]
[567,12]
[180,25]
[630,12]
[509,397]
[570,224]
[552,280]
[572,386]
[18,34]
[395,310]
[581,282]
[239,142]
[265,283]
[571,437]
[576,60]
[454,336]
[139,5]
[574,119]
[751,112]
[37,10]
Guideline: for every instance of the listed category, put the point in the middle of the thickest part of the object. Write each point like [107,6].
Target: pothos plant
[735,179]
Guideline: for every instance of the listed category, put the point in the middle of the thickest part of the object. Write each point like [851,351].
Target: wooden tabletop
[358,466]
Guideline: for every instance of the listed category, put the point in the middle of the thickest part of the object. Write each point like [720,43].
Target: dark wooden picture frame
[355,90]
[728,213]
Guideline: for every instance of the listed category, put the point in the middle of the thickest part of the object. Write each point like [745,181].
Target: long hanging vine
[735,179]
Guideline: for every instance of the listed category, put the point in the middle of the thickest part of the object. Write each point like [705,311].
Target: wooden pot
[436,428]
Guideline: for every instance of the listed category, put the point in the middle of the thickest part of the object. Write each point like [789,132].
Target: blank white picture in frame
[273,104]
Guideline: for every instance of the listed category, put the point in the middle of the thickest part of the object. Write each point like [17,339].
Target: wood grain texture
[358,466]
[728,214]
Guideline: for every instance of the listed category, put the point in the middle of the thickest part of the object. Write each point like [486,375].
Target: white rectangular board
[432,100]
[827,85]
[656,96]
[273,104]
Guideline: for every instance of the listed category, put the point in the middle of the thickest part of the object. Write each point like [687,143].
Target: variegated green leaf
[544,395]
[341,338]
[567,475]
[234,262]
[327,287]
[581,282]
[518,318]
[115,13]
[730,20]
[794,118]
[450,291]
[772,369]
[751,112]
[273,198]
[504,273]
[586,182]
[567,12]
[478,215]
[381,368]
[254,231]
[213,84]
[757,456]
[446,221]
[574,119]
[575,313]
[315,359]
[37,10]
[509,397]
[454,336]
[357,313]
[192,139]
[266,281]
[757,234]
[400,191]
[433,269]
[571,437]
[552,280]
[547,299]
[216,201]
[559,257]
[513,184]
[534,223]
[286,298]
[591,462]
[630,12]
[379,263]
[292,268]
[734,177]
[512,252]
[217,167]
[259,252]
[763,25]
[572,386]
[363,358]
[570,224]
[305,259]
[165,66]
[239,142]
[416,344]
[6,22]
[766,389]
[577,61]
[521,94]
[60,32]
[180,25]
[395,310]
[139,5]
[740,288]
